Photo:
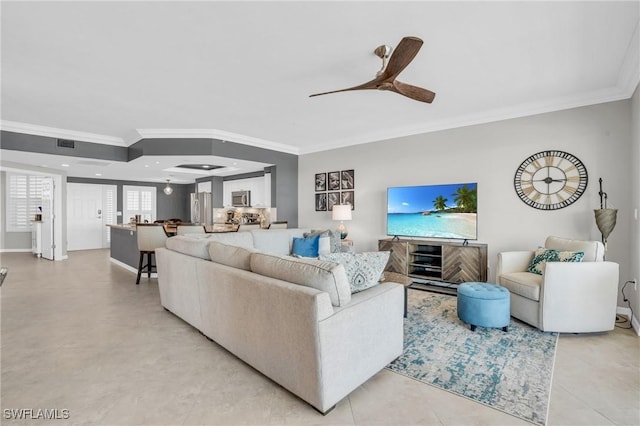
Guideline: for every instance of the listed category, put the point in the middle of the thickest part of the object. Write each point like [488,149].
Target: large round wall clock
[550,180]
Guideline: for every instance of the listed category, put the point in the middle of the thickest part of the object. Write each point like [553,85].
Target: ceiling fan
[385,79]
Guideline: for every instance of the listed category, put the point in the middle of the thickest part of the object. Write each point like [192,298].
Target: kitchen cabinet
[260,188]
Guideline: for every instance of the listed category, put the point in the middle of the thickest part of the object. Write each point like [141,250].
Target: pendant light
[167,189]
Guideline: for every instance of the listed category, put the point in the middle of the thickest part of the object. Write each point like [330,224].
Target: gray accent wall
[48,145]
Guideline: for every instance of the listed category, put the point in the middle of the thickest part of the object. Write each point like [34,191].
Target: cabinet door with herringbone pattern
[463,264]
[398,255]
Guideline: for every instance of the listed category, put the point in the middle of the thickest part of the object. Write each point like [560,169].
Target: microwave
[241,198]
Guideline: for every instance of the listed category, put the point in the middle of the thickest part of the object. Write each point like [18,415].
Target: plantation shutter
[24,196]
[108,207]
[139,200]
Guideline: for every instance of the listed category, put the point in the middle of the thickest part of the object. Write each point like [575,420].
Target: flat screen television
[433,211]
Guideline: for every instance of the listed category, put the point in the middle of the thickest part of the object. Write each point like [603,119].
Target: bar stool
[279,225]
[150,237]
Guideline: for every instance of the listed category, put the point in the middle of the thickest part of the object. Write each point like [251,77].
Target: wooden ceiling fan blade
[407,49]
[373,84]
[413,92]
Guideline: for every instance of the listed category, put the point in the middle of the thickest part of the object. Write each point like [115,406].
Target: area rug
[510,371]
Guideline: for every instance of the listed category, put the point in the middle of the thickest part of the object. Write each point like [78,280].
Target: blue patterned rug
[510,372]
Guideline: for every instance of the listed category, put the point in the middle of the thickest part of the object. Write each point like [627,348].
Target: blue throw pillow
[305,247]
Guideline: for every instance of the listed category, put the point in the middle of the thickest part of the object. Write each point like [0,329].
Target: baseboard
[130,268]
[15,250]
[620,310]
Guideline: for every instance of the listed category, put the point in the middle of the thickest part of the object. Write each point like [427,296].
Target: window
[24,197]
[108,211]
[139,200]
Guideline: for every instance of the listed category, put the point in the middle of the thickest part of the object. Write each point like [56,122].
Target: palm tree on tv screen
[466,199]
[440,203]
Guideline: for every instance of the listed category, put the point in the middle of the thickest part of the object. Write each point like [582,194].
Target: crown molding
[498,114]
[52,132]
[217,134]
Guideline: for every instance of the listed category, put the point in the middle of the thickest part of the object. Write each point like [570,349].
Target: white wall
[634,294]
[489,154]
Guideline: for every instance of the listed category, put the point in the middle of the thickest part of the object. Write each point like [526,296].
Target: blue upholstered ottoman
[484,305]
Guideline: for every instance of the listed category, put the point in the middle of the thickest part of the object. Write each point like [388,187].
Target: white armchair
[570,297]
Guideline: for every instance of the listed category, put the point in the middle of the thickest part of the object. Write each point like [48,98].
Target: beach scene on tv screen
[438,211]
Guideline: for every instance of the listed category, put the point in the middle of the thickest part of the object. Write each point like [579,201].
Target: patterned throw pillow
[544,255]
[363,269]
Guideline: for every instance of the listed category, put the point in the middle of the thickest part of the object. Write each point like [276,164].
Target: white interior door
[86,216]
[47,218]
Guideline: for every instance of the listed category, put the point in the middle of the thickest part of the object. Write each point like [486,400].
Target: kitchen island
[124,246]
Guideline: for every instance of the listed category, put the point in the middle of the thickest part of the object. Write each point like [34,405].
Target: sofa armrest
[360,339]
[579,296]
[513,261]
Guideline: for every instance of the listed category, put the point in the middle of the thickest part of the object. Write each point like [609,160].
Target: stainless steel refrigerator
[201,209]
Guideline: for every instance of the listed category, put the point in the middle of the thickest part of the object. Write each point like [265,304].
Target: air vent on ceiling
[66,143]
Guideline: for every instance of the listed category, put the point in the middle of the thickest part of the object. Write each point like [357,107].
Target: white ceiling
[115,72]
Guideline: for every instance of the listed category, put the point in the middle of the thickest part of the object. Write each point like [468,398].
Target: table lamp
[341,212]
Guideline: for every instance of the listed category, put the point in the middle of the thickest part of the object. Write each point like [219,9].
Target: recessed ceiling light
[157,162]
[146,165]
[98,174]
[64,165]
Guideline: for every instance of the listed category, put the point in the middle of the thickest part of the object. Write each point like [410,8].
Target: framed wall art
[332,188]
[347,179]
[348,197]
[334,181]
[333,198]
[321,202]
[321,182]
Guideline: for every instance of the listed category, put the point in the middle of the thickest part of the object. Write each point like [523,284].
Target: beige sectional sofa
[294,320]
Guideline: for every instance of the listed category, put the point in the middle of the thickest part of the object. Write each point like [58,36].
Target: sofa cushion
[324,276]
[276,241]
[196,245]
[234,256]
[240,239]
[305,246]
[543,255]
[364,270]
[525,284]
[593,250]
[324,245]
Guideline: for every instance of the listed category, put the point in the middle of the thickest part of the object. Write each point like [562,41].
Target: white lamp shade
[341,212]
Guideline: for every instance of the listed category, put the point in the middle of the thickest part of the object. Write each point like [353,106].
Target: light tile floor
[80,335]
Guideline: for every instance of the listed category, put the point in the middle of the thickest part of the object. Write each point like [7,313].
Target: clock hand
[549,180]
